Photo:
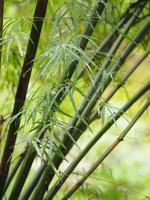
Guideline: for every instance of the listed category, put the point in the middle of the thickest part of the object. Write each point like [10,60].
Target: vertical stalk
[20,97]
[105,154]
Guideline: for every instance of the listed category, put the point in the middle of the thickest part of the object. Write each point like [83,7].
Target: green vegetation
[74,82]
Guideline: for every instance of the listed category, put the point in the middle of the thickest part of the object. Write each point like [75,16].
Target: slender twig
[106,153]
[22,90]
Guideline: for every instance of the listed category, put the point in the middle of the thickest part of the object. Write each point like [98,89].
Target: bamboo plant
[52,131]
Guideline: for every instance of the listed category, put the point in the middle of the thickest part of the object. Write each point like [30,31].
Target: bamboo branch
[39,14]
[106,153]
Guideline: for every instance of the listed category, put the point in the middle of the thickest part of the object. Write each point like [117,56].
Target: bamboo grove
[101,68]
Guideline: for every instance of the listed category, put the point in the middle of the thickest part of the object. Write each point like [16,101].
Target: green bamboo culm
[14,170]
[106,153]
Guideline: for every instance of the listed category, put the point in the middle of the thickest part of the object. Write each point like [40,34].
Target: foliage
[73,56]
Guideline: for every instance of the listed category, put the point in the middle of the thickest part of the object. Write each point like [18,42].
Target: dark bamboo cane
[14,170]
[22,90]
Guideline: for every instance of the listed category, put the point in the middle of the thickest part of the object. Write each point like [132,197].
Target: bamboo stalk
[106,153]
[39,14]
[48,173]
[83,42]
[15,169]
[33,182]
[93,141]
